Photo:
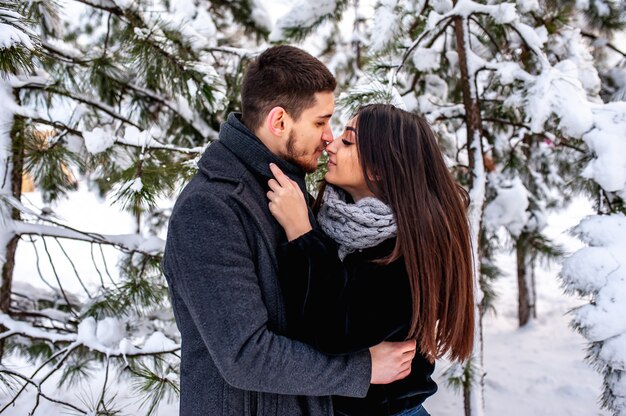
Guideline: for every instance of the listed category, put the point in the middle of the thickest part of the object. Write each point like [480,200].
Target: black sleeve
[341,307]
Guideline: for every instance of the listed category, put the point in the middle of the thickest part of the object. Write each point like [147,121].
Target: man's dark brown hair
[282,76]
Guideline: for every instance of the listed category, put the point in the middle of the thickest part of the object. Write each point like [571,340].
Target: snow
[98,140]
[608,143]
[426,59]
[367,90]
[11,36]
[13,33]
[613,353]
[110,331]
[529,35]
[303,14]
[501,13]
[582,4]
[509,72]
[157,341]
[385,25]
[261,16]
[442,6]
[28,329]
[602,8]
[504,13]
[136,185]
[568,45]
[557,90]
[600,270]
[508,208]
[586,270]
[525,6]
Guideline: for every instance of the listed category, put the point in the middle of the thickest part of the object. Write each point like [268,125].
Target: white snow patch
[98,140]
[426,59]
[508,208]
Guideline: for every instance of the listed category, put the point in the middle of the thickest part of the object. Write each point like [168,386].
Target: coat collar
[249,149]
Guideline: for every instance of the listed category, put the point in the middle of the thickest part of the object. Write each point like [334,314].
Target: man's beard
[292,156]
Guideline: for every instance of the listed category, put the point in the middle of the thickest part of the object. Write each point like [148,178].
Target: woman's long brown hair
[404,167]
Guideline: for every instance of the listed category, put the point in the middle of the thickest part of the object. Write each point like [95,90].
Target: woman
[392,258]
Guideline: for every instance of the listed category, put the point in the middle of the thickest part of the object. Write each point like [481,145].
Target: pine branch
[39,392]
[105,5]
[31,332]
[192,151]
[486,32]
[82,98]
[604,42]
[128,243]
[56,275]
[195,121]
[66,351]
[429,35]
[73,267]
[37,264]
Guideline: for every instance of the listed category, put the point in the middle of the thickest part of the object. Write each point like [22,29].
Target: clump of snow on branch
[368,90]
[98,140]
[607,140]
[508,208]
[261,16]
[569,45]
[426,59]
[600,271]
[385,25]
[558,91]
[13,33]
[303,14]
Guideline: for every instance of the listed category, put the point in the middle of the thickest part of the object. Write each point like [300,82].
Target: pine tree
[125,96]
[596,273]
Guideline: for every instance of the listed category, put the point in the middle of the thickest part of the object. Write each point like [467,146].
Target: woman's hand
[288,205]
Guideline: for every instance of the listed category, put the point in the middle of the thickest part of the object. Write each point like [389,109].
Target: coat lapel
[253,200]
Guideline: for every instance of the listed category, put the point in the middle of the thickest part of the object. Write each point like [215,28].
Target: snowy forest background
[105,106]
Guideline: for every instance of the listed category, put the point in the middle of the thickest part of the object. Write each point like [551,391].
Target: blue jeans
[416,411]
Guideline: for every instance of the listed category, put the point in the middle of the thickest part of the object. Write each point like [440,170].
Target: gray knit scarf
[364,224]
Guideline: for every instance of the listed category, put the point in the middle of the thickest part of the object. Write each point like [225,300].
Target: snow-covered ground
[538,370]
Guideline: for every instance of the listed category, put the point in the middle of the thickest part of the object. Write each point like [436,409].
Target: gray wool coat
[220,264]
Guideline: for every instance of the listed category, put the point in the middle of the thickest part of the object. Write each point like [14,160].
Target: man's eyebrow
[325,116]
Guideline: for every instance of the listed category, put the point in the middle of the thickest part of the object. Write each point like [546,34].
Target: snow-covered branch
[126,242]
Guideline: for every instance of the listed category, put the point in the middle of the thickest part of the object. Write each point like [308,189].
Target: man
[220,258]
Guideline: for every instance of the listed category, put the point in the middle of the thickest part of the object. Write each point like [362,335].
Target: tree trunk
[525,280]
[473,388]
[16,165]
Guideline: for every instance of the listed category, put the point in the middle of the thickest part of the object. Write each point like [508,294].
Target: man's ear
[277,121]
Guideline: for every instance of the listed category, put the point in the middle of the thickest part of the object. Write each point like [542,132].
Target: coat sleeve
[337,307]
[212,268]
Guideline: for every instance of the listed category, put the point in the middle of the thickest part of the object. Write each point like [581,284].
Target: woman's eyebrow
[352,129]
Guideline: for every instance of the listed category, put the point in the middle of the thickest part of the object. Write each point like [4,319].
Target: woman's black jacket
[346,307]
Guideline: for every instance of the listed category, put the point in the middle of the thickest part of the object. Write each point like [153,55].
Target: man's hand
[391,361]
